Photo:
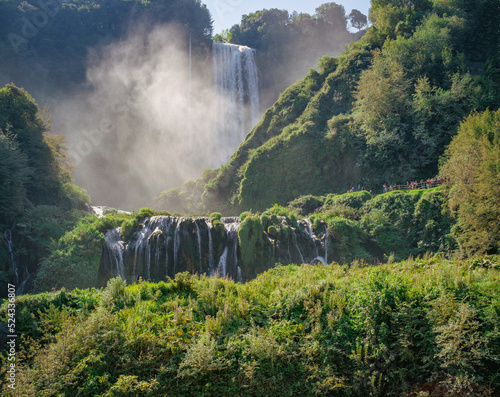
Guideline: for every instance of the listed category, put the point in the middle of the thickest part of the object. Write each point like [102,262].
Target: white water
[143,251]
[231,225]
[177,243]
[115,246]
[311,235]
[198,235]
[319,259]
[21,272]
[10,248]
[326,244]
[240,276]
[222,268]
[236,97]
[297,247]
[210,251]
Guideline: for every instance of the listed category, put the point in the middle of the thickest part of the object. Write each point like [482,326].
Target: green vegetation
[383,111]
[391,226]
[75,258]
[289,44]
[38,200]
[44,47]
[430,324]
[473,168]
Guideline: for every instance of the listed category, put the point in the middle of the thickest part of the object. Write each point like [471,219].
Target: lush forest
[402,297]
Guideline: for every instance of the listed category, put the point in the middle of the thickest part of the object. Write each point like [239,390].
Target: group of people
[423,184]
[360,189]
[429,183]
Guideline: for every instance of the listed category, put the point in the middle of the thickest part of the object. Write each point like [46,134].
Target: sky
[227,13]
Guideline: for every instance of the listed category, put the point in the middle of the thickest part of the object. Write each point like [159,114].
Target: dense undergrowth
[423,327]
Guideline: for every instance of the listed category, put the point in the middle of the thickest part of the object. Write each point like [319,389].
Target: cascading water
[311,234]
[113,251]
[21,270]
[10,249]
[198,236]
[230,252]
[297,247]
[237,106]
[222,267]
[210,251]
[326,244]
[198,246]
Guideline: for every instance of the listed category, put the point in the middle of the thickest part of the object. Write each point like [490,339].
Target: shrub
[215,216]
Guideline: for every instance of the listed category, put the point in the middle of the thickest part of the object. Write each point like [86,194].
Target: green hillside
[382,112]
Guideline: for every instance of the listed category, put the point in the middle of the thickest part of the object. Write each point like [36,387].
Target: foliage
[74,260]
[49,56]
[431,324]
[289,44]
[14,175]
[409,223]
[215,216]
[36,159]
[38,199]
[256,253]
[383,111]
[472,166]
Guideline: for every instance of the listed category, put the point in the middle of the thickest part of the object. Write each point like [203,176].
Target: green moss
[272,231]
[215,216]
[243,215]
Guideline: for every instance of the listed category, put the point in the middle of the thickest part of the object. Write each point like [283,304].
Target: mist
[145,123]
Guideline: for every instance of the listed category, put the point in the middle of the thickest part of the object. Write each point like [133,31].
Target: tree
[14,173]
[472,167]
[383,117]
[46,178]
[357,19]
[332,14]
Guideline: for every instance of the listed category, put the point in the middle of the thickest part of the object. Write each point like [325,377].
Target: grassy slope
[393,330]
[321,136]
[260,173]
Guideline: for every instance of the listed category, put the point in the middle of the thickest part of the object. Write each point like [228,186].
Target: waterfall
[21,270]
[231,226]
[326,244]
[236,96]
[113,247]
[222,268]
[159,241]
[10,249]
[210,251]
[311,235]
[177,243]
[198,236]
[297,246]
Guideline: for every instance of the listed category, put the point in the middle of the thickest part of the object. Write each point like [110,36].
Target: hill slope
[382,112]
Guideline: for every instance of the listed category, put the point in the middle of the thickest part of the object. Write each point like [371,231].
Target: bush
[215,216]
[323,330]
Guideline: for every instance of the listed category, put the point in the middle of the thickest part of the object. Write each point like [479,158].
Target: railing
[415,185]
